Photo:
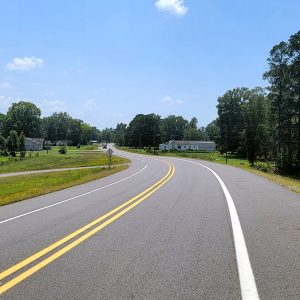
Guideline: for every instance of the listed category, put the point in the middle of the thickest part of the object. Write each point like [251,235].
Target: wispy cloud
[90,104]
[5,85]
[170,101]
[24,64]
[51,106]
[5,103]
[175,7]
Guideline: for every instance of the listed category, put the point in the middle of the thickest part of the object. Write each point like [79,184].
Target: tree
[119,134]
[21,145]
[212,131]
[231,120]
[106,135]
[294,48]
[2,121]
[56,126]
[144,130]
[2,145]
[75,131]
[255,117]
[86,130]
[172,127]
[23,117]
[12,143]
[282,97]
[191,132]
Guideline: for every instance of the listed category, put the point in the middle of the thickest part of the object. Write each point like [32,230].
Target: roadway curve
[178,240]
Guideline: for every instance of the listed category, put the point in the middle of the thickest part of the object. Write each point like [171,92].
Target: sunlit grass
[13,189]
[54,160]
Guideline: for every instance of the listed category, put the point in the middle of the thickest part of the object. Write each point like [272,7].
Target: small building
[205,146]
[93,142]
[63,143]
[34,144]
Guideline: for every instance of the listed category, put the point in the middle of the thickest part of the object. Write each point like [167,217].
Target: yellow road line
[144,195]
[41,253]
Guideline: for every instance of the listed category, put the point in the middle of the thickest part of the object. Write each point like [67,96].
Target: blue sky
[106,61]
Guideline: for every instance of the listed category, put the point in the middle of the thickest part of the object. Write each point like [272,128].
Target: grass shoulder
[261,168]
[53,160]
[13,189]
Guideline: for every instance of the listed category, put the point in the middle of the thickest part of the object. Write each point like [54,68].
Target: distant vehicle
[104,146]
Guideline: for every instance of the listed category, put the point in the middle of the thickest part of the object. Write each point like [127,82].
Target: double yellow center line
[107,218]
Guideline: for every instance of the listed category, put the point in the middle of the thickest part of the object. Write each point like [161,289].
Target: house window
[179,147]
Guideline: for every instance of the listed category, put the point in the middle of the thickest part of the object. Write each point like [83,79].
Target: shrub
[62,150]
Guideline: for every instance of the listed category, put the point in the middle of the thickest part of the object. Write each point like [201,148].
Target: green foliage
[21,145]
[23,117]
[144,130]
[172,127]
[284,78]
[2,145]
[12,143]
[62,150]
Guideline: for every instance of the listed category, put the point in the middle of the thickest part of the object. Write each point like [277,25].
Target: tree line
[265,123]
[150,130]
[23,119]
[259,123]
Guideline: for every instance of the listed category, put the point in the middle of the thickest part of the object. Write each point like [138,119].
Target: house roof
[36,141]
[193,142]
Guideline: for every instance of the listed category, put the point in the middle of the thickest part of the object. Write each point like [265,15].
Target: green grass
[289,182]
[54,160]
[82,147]
[13,189]
[4,159]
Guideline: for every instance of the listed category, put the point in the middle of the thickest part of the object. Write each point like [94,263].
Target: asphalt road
[188,234]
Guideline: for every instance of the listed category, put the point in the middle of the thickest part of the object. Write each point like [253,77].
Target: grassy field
[13,189]
[82,147]
[54,160]
[261,168]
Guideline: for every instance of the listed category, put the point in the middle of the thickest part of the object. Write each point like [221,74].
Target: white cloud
[5,85]
[51,106]
[5,103]
[175,7]
[25,63]
[170,101]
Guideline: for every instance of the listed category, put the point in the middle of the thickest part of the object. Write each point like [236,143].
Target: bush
[261,167]
[62,150]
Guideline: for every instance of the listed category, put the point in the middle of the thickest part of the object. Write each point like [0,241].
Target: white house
[188,145]
[34,144]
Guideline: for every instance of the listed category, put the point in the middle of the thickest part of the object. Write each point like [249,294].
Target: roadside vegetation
[13,189]
[262,168]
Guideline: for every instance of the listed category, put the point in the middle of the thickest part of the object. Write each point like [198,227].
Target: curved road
[165,228]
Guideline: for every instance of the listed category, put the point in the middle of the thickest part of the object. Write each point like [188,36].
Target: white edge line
[75,197]
[246,276]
